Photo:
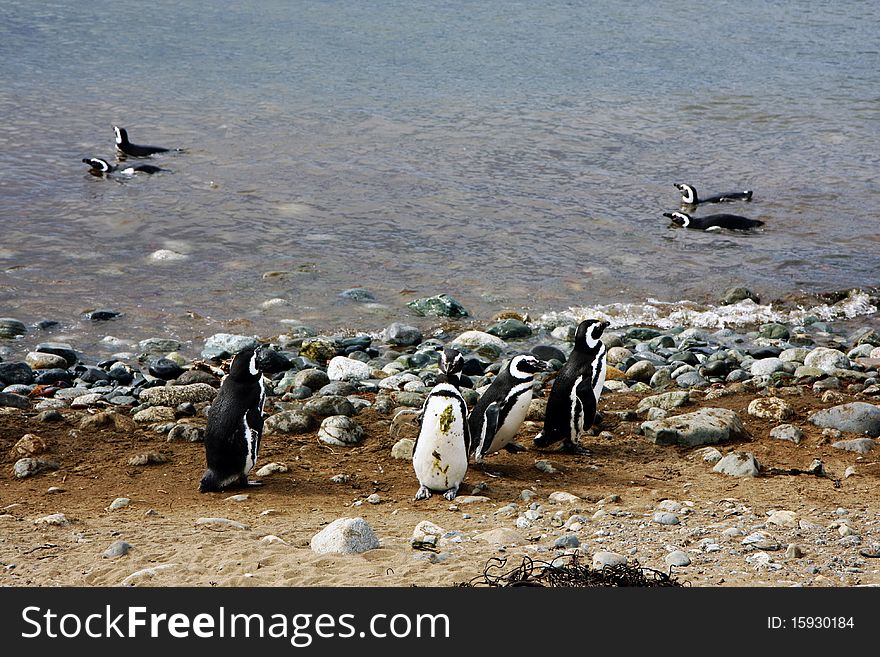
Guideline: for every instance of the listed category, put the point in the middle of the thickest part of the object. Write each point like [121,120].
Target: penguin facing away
[235,426]
[124,146]
[574,397]
[713,221]
[440,455]
[501,409]
[99,167]
[689,195]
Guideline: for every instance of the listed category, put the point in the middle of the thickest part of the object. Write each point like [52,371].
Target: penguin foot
[451,493]
[423,493]
[514,448]
[572,448]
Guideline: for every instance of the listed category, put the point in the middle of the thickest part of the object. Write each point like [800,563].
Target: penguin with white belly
[235,426]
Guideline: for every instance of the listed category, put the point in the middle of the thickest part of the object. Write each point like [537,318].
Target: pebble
[341,431]
[787,432]
[855,417]
[610,559]
[117,549]
[857,445]
[665,518]
[146,573]
[546,466]
[403,449]
[270,469]
[341,368]
[345,536]
[28,467]
[738,464]
[566,541]
[174,396]
[677,558]
[441,305]
[561,497]
[53,520]
[221,523]
[149,458]
[289,422]
[705,426]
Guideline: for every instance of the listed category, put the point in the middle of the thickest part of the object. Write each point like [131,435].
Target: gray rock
[345,536]
[329,405]
[702,427]
[665,518]
[221,523]
[617,355]
[28,467]
[787,432]
[359,294]
[738,464]
[546,466]
[610,559]
[510,329]
[156,345]
[401,335]
[667,401]
[826,359]
[53,520]
[403,449]
[117,549]
[271,468]
[678,558]
[311,378]
[736,294]
[341,431]
[856,417]
[859,445]
[767,366]
[148,458]
[119,503]
[176,395]
[227,343]
[661,378]
[567,541]
[155,414]
[691,380]
[11,328]
[187,433]
[341,368]
[441,305]
[11,400]
[770,408]
[481,343]
[16,373]
[641,370]
[293,422]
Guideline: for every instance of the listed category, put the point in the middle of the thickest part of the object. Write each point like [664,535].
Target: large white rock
[345,536]
[826,359]
[341,368]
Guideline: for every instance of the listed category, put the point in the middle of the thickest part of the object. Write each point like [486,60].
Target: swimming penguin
[235,425]
[573,400]
[99,167]
[135,150]
[730,221]
[440,455]
[500,411]
[689,195]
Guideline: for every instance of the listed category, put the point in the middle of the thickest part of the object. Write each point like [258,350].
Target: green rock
[441,305]
[11,328]
[774,332]
[735,294]
[510,329]
[641,334]
[319,350]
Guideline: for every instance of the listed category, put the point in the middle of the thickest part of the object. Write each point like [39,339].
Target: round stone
[340,430]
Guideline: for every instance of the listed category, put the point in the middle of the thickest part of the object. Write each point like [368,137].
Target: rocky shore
[733,456]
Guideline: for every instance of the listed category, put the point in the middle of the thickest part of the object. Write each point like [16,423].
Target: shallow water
[514,155]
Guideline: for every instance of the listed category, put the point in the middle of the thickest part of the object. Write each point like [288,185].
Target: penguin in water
[235,426]
[125,147]
[574,397]
[689,195]
[99,167]
[713,221]
[440,455]
[500,411]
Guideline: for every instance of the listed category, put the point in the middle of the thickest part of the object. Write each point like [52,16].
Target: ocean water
[515,155]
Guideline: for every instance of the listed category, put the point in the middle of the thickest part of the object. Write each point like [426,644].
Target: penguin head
[121,135]
[688,193]
[589,333]
[679,218]
[525,365]
[97,164]
[244,366]
[451,366]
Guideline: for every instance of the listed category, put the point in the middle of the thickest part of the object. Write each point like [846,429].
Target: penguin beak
[667,214]
[602,326]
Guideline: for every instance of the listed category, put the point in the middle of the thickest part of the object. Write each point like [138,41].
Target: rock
[561,497]
[546,466]
[826,359]
[42,361]
[219,523]
[271,468]
[787,432]
[426,534]
[175,395]
[502,536]
[855,417]
[164,368]
[666,401]
[610,559]
[641,334]
[770,408]
[760,541]
[329,405]
[709,454]
[566,541]
[441,305]
[766,366]
[155,414]
[345,536]
[705,426]
[119,503]
[341,368]
[11,328]
[691,380]
[510,329]
[87,400]
[736,294]
[359,294]
[665,518]
[618,355]
[548,352]
[641,370]
[403,449]
[859,445]
[677,558]
[227,344]
[156,345]
[16,373]
[738,464]
[783,519]
[311,378]
[117,549]
[318,349]
[481,343]
[292,422]
[341,431]
[11,400]
[28,445]
[186,433]
[374,499]
[28,467]
[53,520]
[401,335]
[148,458]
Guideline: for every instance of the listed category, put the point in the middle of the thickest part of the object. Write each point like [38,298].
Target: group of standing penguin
[449,437]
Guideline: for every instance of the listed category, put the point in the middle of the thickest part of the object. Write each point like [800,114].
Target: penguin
[135,150]
[451,366]
[709,222]
[235,426]
[99,167]
[500,411]
[574,397]
[689,195]
[440,455]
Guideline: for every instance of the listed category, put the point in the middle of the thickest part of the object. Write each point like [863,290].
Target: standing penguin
[571,406]
[440,455]
[500,410]
[235,426]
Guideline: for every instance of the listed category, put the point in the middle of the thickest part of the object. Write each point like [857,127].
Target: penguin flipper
[584,394]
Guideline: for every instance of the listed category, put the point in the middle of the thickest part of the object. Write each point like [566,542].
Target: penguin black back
[99,167]
[235,425]
[123,145]
[689,195]
[573,399]
[729,221]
